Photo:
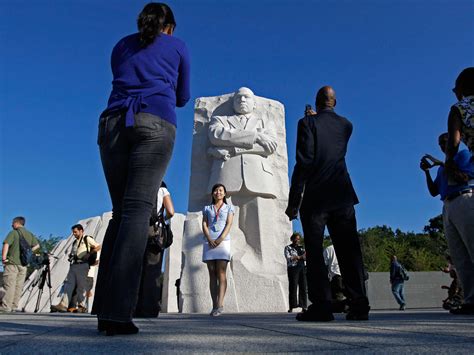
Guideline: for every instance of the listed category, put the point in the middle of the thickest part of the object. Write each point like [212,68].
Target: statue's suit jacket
[248,163]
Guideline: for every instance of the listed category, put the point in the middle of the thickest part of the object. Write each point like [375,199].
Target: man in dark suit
[322,191]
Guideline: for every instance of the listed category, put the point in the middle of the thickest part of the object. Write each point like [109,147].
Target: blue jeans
[134,160]
[397,290]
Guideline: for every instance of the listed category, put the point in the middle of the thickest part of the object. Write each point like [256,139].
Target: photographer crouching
[82,256]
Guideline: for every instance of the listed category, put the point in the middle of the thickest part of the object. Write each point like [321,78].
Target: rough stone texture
[172,265]
[423,290]
[260,229]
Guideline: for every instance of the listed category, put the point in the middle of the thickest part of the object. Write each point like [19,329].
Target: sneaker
[58,308]
[212,312]
[464,309]
[218,312]
[402,307]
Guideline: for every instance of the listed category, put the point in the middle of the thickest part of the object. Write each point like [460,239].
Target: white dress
[216,225]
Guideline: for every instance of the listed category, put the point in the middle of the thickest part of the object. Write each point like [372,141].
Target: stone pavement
[412,331]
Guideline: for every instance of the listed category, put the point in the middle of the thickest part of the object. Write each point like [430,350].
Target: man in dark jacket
[328,200]
[397,281]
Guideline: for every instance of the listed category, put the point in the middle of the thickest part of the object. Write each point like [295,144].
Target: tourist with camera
[14,264]
[83,255]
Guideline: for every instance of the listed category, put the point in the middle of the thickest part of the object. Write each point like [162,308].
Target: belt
[459,193]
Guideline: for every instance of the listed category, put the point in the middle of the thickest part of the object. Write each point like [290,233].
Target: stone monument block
[239,140]
[172,266]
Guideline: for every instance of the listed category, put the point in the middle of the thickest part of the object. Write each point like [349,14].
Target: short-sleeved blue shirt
[465,164]
[217,224]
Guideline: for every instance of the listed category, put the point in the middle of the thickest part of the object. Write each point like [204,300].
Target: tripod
[42,279]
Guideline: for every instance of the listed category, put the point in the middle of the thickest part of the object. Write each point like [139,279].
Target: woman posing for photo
[216,224]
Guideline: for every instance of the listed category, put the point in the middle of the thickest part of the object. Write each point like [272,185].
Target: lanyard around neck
[216,211]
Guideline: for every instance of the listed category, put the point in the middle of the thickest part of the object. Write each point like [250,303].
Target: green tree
[48,244]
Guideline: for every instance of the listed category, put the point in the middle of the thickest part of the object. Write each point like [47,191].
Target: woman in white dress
[216,223]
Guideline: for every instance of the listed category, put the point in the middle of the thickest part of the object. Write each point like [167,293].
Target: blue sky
[392,64]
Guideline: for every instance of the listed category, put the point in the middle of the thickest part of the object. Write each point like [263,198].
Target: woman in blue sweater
[136,137]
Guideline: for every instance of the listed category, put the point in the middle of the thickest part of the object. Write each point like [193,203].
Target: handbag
[160,235]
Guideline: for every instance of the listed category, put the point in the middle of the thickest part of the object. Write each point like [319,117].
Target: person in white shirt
[149,298]
[335,278]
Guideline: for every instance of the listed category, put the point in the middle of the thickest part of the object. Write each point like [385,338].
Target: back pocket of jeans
[147,125]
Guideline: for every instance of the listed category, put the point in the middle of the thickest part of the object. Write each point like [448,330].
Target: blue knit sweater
[154,79]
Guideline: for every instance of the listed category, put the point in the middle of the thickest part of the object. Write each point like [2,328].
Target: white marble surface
[225,150]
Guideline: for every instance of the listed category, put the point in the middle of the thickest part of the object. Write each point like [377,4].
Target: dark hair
[294,235]
[77,226]
[214,189]
[153,19]
[20,220]
[465,82]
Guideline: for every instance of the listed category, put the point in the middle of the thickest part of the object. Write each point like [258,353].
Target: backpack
[26,253]
[404,273]
[90,257]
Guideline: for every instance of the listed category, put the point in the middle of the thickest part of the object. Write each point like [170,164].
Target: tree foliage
[48,244]
[416,251]
[424,251]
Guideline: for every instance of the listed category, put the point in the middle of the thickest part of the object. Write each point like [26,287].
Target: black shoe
[120,328]
[102,325]
[309,316]
[358,310]
[464,309]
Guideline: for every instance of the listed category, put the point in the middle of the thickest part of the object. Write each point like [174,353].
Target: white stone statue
[239,141]
[241,144]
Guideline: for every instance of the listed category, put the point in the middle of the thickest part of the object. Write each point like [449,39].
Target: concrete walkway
[412,331]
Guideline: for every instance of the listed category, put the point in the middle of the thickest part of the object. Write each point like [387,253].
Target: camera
[40,260]
[71,258]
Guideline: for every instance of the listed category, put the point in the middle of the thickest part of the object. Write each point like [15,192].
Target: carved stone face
[244,101]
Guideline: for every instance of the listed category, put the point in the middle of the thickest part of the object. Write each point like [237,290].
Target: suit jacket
[247,163]
[320,171]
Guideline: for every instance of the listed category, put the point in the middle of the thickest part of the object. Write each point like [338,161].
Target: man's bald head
[325,98]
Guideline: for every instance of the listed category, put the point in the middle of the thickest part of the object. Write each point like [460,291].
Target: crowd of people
[136,135]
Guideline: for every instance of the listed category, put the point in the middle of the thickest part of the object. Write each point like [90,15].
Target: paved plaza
[412,331]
